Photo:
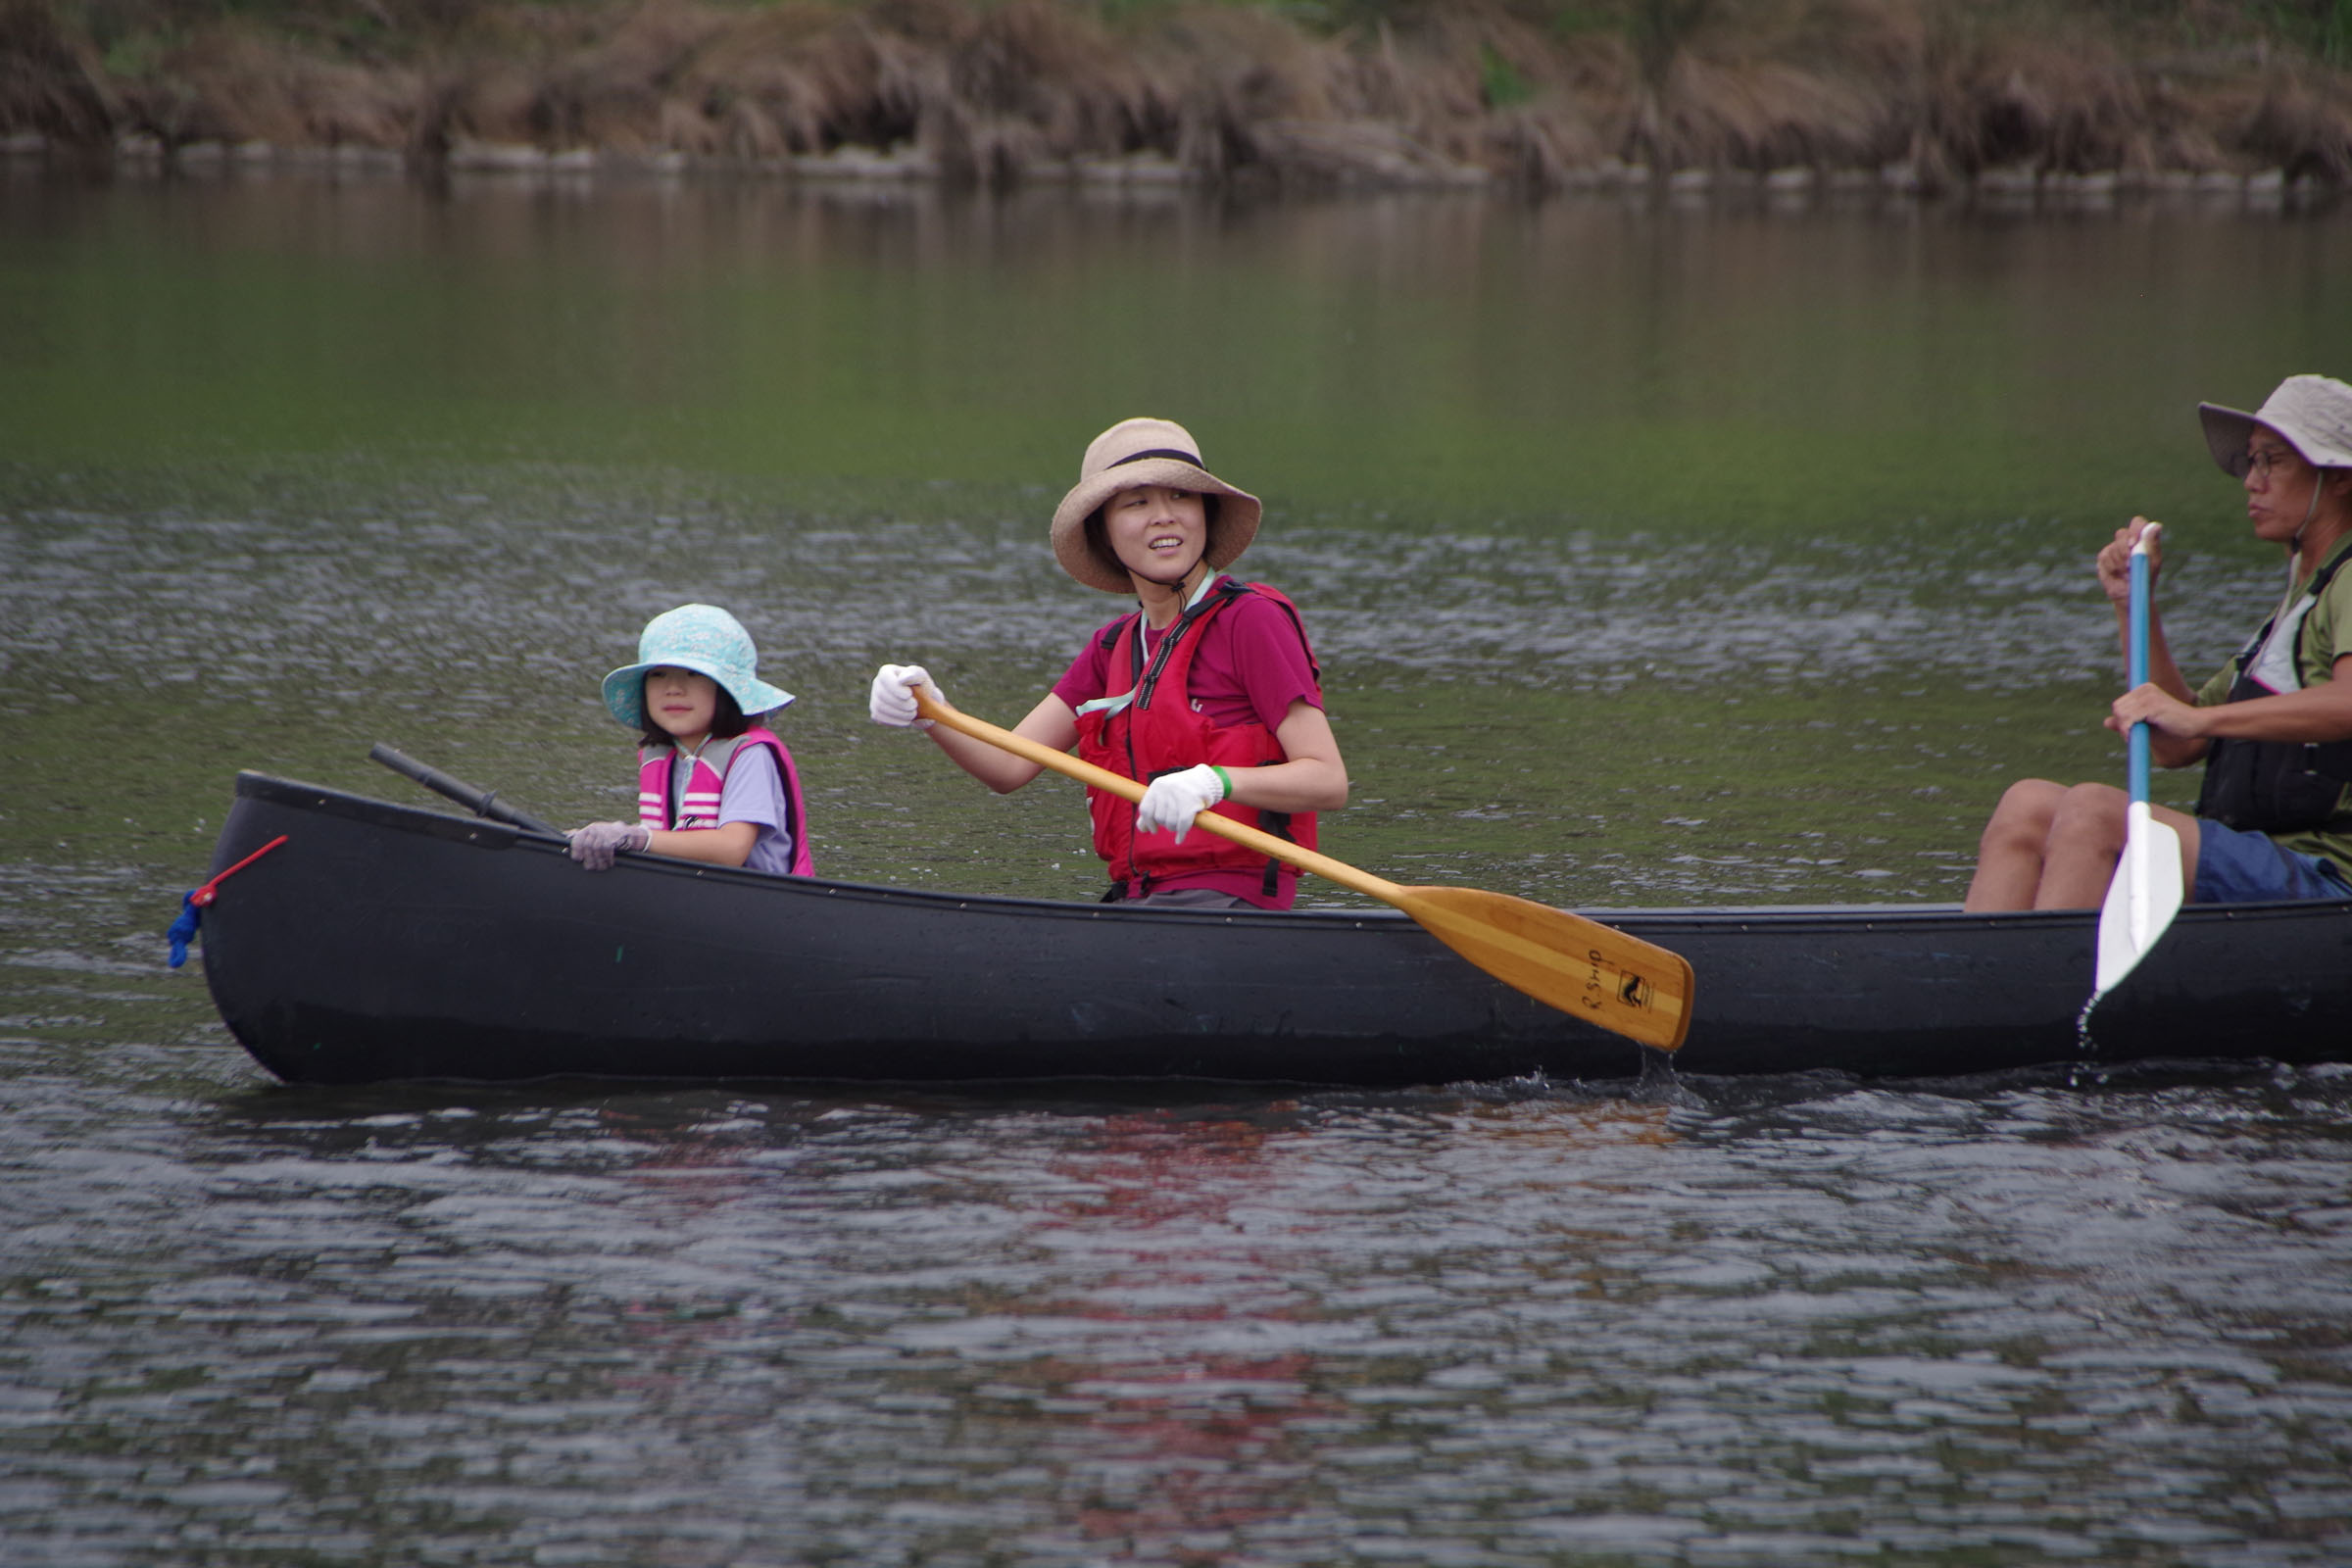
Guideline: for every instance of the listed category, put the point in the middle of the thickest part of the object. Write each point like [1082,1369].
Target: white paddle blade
[2142,898]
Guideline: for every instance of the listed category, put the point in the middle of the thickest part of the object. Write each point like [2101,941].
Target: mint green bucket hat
[705,639]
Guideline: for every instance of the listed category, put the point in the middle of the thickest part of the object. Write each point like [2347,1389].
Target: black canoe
[382,942]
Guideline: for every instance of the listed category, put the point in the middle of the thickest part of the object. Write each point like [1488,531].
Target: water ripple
[1779,1323]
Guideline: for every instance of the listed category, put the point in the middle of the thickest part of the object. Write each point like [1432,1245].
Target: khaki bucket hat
[2313,413]
[1140,452]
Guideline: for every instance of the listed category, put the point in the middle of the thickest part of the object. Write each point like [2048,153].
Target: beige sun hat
[1140,452]
[2313,413]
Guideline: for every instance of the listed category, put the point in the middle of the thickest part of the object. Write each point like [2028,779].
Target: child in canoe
[713,783]
[1207,690]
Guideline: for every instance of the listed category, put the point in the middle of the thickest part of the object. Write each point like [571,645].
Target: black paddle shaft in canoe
[384,942]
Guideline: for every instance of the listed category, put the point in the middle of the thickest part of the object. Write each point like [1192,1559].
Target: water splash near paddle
[1660,1085]
[2084,1043]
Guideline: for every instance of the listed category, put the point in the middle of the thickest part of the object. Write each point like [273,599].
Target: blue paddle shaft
[2139,740]
[2147,888]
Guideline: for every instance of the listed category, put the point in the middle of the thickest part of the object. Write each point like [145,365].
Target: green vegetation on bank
[1538,94]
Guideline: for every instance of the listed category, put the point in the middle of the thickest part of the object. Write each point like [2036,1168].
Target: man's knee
[2025,812]
[2090,813]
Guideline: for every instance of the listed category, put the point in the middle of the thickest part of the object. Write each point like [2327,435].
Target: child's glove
[595,845]
[1175,799]
[891,700]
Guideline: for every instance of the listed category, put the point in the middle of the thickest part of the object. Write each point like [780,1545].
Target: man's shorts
[2236,867]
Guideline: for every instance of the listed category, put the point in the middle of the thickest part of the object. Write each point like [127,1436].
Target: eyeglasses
[2262,460]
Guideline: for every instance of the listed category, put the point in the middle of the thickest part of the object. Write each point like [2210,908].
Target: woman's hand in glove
[1175,799]
[892,700]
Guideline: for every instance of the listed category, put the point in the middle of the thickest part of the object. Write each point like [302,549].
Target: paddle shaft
[2138,743]
[1584,968]
[481,802]
[2147,890]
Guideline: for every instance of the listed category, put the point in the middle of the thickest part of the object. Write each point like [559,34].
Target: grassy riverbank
[1924,95]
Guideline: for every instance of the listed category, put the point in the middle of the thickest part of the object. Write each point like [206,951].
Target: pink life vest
[698,809]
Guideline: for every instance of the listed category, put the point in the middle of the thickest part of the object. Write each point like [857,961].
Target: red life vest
[1159,730]
[698,808]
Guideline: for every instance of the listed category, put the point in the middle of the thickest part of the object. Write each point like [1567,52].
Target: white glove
[595,845]
[892,700]
[1175,799]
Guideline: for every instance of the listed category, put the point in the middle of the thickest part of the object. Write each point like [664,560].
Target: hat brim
[624,690]
[2312,413]
[1229,533]
[2225,433]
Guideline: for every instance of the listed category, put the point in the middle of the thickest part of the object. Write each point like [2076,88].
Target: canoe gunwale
[397,942]
[485,833]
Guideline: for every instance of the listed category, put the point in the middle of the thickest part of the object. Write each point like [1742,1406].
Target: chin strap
[2294,546]
[1195,597]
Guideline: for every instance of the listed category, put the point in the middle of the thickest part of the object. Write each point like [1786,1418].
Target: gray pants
[1194,898]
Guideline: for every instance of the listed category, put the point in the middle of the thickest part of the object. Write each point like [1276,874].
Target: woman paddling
[2273,728]
[1208,691]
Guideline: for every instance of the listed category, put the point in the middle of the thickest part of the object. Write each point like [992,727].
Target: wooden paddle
[1584,968]
[2145,894]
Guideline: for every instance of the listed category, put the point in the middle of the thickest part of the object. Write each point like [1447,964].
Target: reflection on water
[1441,360]
[1653,557]
[703,1327]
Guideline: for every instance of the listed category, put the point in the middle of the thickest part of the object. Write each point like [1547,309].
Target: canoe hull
[382,942]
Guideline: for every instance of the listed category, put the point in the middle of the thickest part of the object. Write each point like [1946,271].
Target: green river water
[1655,555]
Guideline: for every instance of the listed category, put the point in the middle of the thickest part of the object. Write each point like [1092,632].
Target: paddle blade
[1584,968]
[2142,898]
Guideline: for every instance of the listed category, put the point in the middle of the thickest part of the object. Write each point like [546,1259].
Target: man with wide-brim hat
[2274,727]
[1207,690]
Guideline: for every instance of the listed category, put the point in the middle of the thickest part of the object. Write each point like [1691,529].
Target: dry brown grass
[231,83]
[2299,122]
[50,80]
[990,91]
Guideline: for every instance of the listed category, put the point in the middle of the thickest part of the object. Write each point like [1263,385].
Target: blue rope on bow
[183,929]
[192,903]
